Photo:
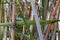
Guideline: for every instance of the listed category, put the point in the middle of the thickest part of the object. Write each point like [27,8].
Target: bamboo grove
[29,19]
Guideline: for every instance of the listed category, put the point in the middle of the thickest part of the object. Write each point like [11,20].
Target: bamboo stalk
[44,9]
[10,19]
[59,18]
[53,16]
[0,15]
[37,21]
[1,29]
[13,20]
[31,26]
[5,15]
[0,12]
[54,32]
[24,27]
[24,32]
[58,25]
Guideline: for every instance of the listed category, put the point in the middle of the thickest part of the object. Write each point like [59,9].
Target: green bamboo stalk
[0,15]
[1,30]
[2,11]
[43,9]
[5,17]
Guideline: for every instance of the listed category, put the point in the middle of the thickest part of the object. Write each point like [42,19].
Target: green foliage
[25,21]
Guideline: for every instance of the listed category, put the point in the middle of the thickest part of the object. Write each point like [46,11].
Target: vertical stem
[55,34]
[24,32]
[58,25]
[37,21]
[5,15]
[59,18]
[24,27]
[43,9]
[13,20]
[0,11]
[31,26]
[0,15]
[44,5]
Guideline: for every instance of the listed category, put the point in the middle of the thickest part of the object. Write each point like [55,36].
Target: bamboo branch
[30,22]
